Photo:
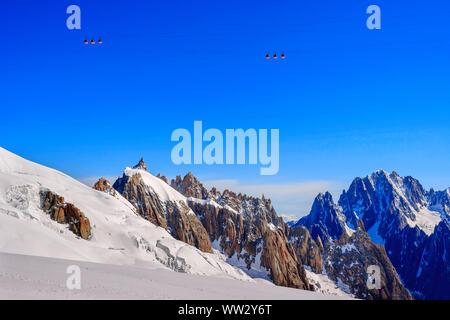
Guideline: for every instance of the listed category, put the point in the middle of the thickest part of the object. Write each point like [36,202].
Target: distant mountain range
[410,222]
[382,220]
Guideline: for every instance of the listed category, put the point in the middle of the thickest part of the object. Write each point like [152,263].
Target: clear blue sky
[347,100]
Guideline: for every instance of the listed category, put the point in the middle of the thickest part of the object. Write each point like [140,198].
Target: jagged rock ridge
[172,214]
[409,221]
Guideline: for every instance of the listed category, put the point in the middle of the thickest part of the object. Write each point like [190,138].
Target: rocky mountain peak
[141,165]
[325,219]
[400,214]
[190,187]
[323,205]
[324,198]
[169,213]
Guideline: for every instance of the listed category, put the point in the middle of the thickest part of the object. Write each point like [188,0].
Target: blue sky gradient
[347,100]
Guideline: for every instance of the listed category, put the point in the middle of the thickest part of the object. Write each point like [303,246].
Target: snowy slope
[162,189]
[27,277]
[119,236]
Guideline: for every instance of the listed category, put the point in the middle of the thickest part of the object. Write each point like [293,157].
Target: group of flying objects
[275,56]
[268,56]
[92,41]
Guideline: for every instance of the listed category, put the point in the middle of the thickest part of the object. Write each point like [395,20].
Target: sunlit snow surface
[119,235]
[27,277]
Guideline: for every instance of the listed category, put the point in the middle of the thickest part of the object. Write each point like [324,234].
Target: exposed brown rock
[241,226]
[278,257]
[65,213]
[308,251]
[190,186]
[103,185]
[186,227]
[147,204]
[141,165]
[176,217]
[163,178]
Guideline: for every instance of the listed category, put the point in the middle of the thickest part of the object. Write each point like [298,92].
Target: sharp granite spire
[141,165]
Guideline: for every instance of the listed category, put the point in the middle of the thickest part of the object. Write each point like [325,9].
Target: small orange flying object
[93,41]
[275,56]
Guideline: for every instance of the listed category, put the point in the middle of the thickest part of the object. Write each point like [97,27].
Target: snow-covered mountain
[256,239]
[246,229]
[387,202]
[143,221]
[162,205]
[118,235]
[410,222]
[325,220]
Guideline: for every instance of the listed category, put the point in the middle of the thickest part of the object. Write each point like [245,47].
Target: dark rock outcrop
[308,251]
[325,219]
[65,213]
[279,257]
[433,274]
[347,261]
[141,165]
[103,185]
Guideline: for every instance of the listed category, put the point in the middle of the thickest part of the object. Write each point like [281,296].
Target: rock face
[141,165]
[171,214]
[325,220]
[279,257]
[103,185]
[403,216]
[308,251]
[433,274]
[146,202]
[247,230]
[65,213]
[347,261]
[190,186]
[163,178]
[440,201]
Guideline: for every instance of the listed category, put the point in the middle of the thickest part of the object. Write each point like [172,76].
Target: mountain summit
[141,165]
[398,213]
